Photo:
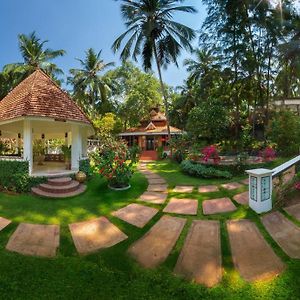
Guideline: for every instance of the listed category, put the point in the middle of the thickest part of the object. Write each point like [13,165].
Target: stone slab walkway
[242,198]
[294,211]
[252,256]
[208,189]
[245,181]
[4,222]
[154,197]
[35,239]
[156,181]
[182,206]
[154,247]
[151,175]
[200,259]
[285,233]
[136,214]
[93,235]
[183,189]
[157,188]
[231,185]
[217,206]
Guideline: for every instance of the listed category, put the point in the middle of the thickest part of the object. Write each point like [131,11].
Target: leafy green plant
[199,170]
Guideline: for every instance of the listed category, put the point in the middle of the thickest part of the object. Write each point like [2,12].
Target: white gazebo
[39,109]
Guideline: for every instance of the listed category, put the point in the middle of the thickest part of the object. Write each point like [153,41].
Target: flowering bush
[112,161]
[211,152]
[268,154]
[297,186]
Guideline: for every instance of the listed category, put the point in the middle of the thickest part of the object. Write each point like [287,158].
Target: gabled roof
[39,96]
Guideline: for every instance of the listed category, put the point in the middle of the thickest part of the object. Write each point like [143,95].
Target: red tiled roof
[39,96]
[158,130]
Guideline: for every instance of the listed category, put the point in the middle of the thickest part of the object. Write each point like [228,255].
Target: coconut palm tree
[87,81]
[35,56]
[153,34]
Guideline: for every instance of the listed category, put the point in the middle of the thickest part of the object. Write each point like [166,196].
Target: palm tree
[87,81]
[35,57]
[153,34]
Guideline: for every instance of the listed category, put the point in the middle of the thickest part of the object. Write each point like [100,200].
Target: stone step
[252,256]
[38,192]
[59,181]
[60,189]
[200,259]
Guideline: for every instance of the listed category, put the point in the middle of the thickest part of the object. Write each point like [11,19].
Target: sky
[76,25]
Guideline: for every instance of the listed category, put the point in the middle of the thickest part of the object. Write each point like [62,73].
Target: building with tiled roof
[151,134]
[38,109]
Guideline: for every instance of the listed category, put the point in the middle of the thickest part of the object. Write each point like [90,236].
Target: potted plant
[66,150]
[39,151]
[114,164]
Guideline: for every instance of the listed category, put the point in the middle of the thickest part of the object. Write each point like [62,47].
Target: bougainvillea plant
[297,185]
[211,152]
[268,154]
[113,162]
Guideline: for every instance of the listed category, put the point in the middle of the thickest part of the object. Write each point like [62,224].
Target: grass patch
[111,273]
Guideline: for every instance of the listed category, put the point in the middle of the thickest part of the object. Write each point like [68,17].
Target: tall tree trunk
[163,93]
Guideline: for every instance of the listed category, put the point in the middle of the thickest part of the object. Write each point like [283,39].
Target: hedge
[85,166]
[199,170]
[14,176]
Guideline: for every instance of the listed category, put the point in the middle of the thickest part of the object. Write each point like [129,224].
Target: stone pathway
[93,235]
[208,189]
[183,189]
[154,197]
[182,206]
[245,181]
[154,247]
[231,186]
[294,211]
[156,181]
[242,198]
[157,188]
[252,256]
[35,239]
[285,233]
[136,214]
[217,206]
[4,222]
[200,259]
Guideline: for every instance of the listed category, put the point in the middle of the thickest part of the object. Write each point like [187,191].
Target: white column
[27,143]
[84,143]
[76,147]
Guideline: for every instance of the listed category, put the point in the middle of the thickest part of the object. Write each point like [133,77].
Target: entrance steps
[62,187]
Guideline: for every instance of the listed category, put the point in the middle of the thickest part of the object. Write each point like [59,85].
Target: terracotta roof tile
[158,130]
[39,96]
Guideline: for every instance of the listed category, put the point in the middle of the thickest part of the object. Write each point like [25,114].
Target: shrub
[268,154]
[85,166]
[199,170]
[211,152]
[14,176]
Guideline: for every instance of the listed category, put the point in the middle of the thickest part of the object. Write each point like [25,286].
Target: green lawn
[111,274]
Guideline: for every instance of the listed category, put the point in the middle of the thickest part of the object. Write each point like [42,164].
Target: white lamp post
[260,190]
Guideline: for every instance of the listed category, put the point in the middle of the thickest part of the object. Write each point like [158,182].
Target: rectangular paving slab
[252,256]
[217,206]
[151,175]
[285,233]
[154,247]
[183,189]
[294,211]
[157,188]
[208,189]
[245,181]
[231,185]
[242,198]
[96,234]
[182,206]
[136,214]
[200,259]
[156,181]
[4,222]
[154,197]
[35,239]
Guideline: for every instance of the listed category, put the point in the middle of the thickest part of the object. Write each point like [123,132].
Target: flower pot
[119,188]
[40,159]
[80,177]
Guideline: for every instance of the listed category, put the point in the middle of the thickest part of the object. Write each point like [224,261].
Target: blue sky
[75,25]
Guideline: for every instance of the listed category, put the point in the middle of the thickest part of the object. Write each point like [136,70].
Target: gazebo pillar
[76,147]
[84,143]
[27,143]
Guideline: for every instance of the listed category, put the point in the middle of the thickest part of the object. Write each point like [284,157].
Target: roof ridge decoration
[150,126]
